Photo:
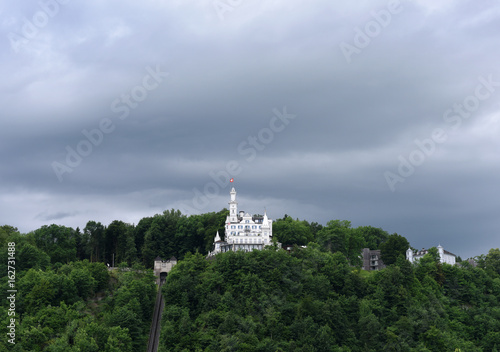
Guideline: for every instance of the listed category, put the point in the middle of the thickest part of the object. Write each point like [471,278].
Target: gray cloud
[354,120]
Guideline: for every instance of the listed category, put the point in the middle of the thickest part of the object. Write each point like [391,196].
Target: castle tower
[441,253]
[233,207]
[267,230]
[409,255]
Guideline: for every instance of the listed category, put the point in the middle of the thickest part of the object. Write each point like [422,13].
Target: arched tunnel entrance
[163,277]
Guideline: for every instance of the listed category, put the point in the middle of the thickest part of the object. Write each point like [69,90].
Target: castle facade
[243,231]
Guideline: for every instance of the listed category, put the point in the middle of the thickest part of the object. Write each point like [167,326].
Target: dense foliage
[74,306]
[174,234]
[313,300]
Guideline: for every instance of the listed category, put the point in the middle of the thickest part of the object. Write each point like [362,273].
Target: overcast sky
[383,113]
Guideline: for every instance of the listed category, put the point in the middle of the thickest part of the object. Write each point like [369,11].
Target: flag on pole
[231,180]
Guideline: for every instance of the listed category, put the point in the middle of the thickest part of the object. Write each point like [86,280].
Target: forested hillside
[80,306]
[312,299]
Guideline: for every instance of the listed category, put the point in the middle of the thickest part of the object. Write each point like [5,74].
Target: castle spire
[265,221]
[233,207]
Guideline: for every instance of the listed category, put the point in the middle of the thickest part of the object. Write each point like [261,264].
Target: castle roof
[424,251]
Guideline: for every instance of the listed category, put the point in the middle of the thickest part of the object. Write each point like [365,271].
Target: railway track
[154,332]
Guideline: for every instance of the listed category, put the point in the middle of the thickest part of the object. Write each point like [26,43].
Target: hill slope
[312,300]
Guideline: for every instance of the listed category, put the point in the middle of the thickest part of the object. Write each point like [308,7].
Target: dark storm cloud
[226,76]
[57,216]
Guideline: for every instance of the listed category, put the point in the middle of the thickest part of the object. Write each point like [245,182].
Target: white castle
[243,231]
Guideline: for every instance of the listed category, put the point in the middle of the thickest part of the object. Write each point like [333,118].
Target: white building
[444,256]
[243,231]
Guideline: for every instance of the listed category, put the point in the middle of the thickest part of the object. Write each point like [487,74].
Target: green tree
[84,342]
[93,235]
[140,232]
[338,236]
[429,267]
[84,282]
[59,242]
[100,274]
[120,242]
[41,295]
[335,236]
[29,256]
[126,318]
[393,247]
[7,231]
[289,231]
[492,262]
[118,340]
[373,237]
[435,340]
[152,239]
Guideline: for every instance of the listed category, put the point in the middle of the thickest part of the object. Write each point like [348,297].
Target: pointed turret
[217,238]
[217,243]
[265,221]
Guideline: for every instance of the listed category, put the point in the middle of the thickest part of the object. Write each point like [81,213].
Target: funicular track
[154,333]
